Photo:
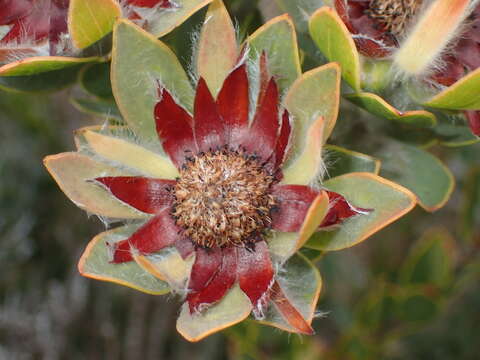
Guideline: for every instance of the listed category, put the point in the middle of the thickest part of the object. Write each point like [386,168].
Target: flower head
[39,36]
[41,24]
[227,197]
[435,43]
[219,219]
[377,25]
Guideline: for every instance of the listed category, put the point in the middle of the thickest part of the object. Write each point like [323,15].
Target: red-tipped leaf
[293,202]
[473,118]
[207,263]
[174,128]
[208,128]
[255,273]
[262,137]
[184,247]
[156,234]
[282,141]
[220,283]
[291,315]
[151,3]
[144,194]
[340,209]
[233,103]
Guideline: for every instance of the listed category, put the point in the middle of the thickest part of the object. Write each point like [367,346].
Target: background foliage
[410,292]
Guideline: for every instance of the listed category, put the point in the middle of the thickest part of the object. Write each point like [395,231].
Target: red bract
[465,56]
[228,196]
[34,21]
[150,3]
[133,7]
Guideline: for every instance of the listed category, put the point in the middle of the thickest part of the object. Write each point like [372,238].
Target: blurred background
[410,292]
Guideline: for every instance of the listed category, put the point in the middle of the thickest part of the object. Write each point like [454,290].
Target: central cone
[394,15]
[223,198]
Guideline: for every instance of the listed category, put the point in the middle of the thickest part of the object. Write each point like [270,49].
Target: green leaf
[334,40]
[125,153]
[430,261]
[95,264]
[470,219]
[419,171]
[418,308]
[139,63]
[169,19]
[282,245]
[299,10]
[95,79]
[301,284]
[42,64]
[375,105]
[376,307]
[102,108]
[463,95]
[455,135]
[316,93]
[42,82]
[217,48]
[91,20]
[73,172]
[389,202]
[278,40]
[376,74]
[234,307]
[343,161]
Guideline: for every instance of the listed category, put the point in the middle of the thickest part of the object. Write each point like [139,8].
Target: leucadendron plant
[421,56]
[218,177]
[44,43]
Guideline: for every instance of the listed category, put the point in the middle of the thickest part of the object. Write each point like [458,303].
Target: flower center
[394,15]
[222,198]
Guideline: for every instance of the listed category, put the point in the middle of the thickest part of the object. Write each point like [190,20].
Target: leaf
[130,155]
[282,245]
[301,283]
[72,172]
[136,91]
[42,82]
[430,261]
[169,19]
[419,171]
[167,265]
[375,105]
[278,40]
[233,308]
[455,135]
[463,95]
[316,93]
[300,11]
[333,39]
[102,108]
[343,161]
[95,264]
[95,79]
[470,215]
[304,169]
[418,308]
[389,202]
[217,48]
[313,219]
[42,64]
[91,20]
